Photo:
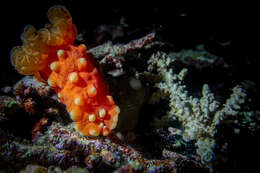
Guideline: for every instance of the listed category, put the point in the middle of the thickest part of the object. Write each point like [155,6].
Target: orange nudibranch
[49,55]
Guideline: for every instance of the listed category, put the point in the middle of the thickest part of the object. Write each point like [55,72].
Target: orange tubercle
[51,57]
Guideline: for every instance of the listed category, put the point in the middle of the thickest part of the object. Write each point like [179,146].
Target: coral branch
[199,117]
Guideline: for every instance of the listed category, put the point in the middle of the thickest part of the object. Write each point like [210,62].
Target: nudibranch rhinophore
[49,55]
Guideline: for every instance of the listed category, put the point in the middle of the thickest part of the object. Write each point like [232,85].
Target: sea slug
[49,55]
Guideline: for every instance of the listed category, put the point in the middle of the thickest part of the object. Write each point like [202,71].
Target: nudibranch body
[49,55]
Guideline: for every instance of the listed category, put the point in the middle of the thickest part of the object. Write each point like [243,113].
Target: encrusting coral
[49,55]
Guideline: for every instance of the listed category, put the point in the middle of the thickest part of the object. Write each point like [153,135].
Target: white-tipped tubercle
[54,66]
[92,118]
[51,82]
[72,114]
[82,61]
[73,77]
[117,110]
[102,113]
[78,101]
[101,125]
[92,90]
[93,132]
[105,131]
[114,123]
[61,54]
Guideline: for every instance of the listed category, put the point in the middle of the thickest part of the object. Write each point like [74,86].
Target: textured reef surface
[178,112]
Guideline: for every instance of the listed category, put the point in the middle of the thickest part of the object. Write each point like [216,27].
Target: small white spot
[101,125]
[102,113]
[73,77]
[92,90]
[61,53]
[92,118]
[78,101]
[54,66]
[82,61]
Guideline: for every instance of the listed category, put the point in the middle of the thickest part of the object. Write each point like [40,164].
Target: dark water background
[185,26]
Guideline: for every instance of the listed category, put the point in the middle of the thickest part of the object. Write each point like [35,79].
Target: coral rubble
[64,147]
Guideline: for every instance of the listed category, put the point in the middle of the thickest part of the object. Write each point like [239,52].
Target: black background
[185,25]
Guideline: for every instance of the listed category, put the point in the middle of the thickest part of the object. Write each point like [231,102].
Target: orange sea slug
[49,55]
